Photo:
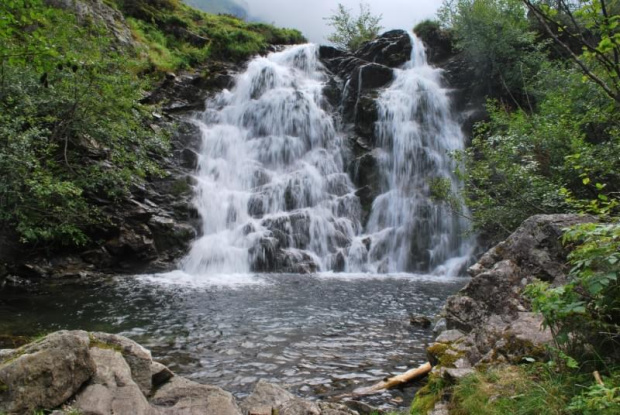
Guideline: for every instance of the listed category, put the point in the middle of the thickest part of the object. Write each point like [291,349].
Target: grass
[532,389]
[175,36]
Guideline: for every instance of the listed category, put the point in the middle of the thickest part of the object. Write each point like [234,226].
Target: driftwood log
[395,381]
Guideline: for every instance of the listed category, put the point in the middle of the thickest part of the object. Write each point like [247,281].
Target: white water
[272,188]
[271,170]
[416,132]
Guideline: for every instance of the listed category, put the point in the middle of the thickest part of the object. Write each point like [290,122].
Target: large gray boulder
[136,356]
[180,396]
[491,313]
[267,398]
[46,373]
[111,390]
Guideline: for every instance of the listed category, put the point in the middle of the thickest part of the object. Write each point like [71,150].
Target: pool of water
[319,335]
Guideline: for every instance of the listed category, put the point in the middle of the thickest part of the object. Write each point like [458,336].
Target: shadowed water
[321,335]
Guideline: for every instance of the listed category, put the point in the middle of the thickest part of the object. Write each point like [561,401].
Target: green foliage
[598,399]
[350,31]
[497,40]
[593,28]
[71,126]
[72,132]
[552,160]
[525,390]
[181,37]
[584,314]
[428,396]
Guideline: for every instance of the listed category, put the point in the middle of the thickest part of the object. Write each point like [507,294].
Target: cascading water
[416,131]
[272,189]
[271,176]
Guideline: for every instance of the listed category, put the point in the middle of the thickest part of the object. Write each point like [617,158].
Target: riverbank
[498,355]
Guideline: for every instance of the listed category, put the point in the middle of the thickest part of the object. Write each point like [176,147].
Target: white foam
[180,278]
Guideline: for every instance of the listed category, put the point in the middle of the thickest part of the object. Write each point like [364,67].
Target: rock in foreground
[106,374]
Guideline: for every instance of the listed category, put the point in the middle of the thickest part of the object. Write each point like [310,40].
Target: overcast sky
[307,15]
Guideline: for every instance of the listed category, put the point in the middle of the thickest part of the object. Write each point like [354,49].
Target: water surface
[320,335]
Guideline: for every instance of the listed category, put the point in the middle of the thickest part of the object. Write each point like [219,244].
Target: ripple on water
[325,334]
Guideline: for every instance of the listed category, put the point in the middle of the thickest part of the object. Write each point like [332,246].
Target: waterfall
[272,191]
[416,133]
[271,184]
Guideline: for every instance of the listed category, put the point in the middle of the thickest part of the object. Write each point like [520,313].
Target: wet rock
[419,321]
[330,52]
[171,236]
[182,396]
[439,44]
[392,49]
[371,76]
[46,373]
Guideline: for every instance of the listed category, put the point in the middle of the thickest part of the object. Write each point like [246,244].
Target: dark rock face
[468,90]
[439,44]
[391,49]
[359,77]
[490,312]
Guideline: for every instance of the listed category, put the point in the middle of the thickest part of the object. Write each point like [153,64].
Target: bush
[350,32]
[71,126]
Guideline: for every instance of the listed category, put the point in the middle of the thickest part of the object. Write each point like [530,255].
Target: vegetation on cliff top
[73,134]
[553,123]
[351,31]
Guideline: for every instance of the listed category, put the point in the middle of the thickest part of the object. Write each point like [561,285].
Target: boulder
[136,356]
[46,373]
[490,310]
[535,247]
[180,396]
[391,49]
[112,389]
[267,398]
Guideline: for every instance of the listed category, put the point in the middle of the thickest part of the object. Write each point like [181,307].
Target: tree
[599,59]
[498,42]
[351,31]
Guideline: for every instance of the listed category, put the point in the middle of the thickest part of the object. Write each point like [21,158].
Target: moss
[444,354]
[94,342]
[426,398]
[181,187]
[3,387]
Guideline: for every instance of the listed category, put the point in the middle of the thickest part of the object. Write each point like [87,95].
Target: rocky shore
[104,374]
[489,322]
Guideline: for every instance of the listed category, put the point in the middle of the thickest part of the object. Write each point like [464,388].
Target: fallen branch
[395,381]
